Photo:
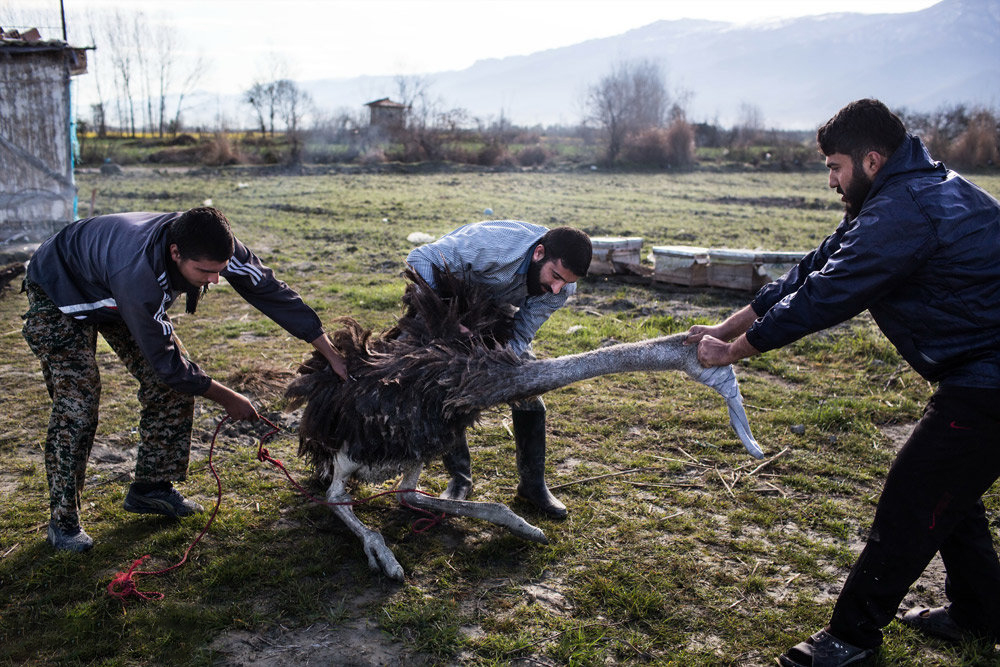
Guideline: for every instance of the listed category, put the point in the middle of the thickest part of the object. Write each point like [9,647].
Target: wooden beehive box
[774,264]
[733,269]
[615,254]
[680,264]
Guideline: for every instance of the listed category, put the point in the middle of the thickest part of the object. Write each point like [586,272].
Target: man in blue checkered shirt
[534,269]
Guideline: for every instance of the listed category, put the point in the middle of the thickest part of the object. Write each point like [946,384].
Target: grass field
[679,549]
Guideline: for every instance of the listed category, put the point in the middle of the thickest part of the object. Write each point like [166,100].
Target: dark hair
[861,127]
[202,233]
[571,246]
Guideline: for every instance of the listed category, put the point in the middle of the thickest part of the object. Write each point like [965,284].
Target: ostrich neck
[542,375]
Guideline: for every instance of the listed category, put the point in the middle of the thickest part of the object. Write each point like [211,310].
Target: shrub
[494,155]
[461,155]
[662,147]
[220,150]
[175,155]
[977,145]
[533,156]
[372,156]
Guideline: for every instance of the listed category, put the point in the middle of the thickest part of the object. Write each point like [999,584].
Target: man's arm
[325,347]
[735,325]
[714,348]
[237,406]
[256,283]
[715,352]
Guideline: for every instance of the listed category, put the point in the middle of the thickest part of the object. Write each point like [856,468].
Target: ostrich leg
[496,513]
[496,384]
[380,557]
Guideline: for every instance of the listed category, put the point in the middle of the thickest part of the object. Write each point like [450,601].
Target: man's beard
[856,191]
[534,281]
[193,296]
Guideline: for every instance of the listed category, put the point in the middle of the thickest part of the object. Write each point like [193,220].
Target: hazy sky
[346,38]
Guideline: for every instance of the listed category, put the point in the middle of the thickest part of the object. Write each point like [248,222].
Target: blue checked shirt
[495,253]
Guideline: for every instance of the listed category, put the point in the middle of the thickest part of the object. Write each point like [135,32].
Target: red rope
[428,522]
[123,585]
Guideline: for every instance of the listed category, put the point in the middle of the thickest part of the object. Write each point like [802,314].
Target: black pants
[932,501]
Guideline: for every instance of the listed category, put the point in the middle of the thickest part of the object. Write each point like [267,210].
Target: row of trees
[140,74]
[141,85]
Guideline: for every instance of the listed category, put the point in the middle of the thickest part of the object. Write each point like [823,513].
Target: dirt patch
[603,296]
[355,642]
[547,594]
[897,434]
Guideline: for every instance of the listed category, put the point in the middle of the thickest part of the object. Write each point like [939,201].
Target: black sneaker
[824,650]
[167,502]
[937,622]
[69,540]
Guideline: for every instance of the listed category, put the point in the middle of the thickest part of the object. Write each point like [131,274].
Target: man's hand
[715,352]
[699,331]
[336,361]
[236,405]
[338,365]
[728,330]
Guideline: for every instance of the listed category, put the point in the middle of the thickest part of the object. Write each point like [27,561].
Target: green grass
[677,549]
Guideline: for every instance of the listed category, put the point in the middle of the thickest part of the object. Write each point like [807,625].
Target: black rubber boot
[529,437]
[459,465]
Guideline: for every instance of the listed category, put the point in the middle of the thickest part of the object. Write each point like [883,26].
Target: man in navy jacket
[117,275]
[919,248]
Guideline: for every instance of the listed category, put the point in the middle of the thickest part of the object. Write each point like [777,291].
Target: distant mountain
[797,73]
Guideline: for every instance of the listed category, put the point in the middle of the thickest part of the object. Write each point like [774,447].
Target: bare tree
[195,71]
[292,102]
[631,98]
[256,97]
[100,108]
[140,39]
[121,49]
[750,126]
[163,45]
[420,135]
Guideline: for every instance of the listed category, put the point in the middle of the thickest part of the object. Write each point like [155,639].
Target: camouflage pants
[66,349]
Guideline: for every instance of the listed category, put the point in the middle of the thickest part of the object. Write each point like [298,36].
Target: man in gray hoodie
[534,269]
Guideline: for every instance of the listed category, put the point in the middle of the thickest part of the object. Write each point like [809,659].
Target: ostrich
[418,386]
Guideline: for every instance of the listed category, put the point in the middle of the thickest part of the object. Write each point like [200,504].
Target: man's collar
[523,269]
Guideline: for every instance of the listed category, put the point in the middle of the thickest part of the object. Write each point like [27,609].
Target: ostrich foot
[496,513]
[380,557]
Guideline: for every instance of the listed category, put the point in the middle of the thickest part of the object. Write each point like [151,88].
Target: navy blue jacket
[116,268]
[923,256]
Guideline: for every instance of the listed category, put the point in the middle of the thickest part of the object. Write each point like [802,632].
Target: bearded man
[534,269]
[919,248]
